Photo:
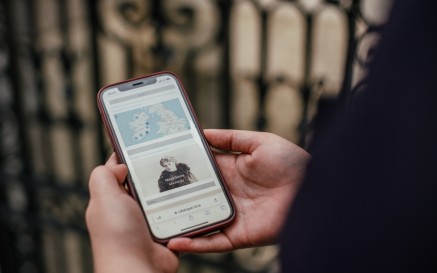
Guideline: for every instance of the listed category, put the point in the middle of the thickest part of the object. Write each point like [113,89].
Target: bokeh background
[269,65]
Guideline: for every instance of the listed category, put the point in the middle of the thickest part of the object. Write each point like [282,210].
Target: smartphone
[172,171]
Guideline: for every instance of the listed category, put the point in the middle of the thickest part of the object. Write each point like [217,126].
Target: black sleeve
[161,183]
[369,201]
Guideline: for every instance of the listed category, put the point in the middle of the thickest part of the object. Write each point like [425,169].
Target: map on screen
[152,122]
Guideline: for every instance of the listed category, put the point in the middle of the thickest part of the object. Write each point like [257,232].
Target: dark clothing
[171,180]
[369,201]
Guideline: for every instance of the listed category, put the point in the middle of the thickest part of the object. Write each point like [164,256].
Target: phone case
[131,187]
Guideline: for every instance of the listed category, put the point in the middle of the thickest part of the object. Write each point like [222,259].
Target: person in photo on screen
[174,174]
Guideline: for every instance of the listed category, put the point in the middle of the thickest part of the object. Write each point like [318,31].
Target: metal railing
[263,65]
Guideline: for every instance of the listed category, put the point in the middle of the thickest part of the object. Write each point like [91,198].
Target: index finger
[215,243]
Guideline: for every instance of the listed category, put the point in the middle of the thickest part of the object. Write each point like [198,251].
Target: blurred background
[268,65]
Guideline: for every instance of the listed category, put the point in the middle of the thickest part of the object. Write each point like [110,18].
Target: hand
[120,238]
[263,176]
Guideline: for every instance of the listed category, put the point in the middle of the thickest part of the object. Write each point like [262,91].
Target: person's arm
[161,184]
[263,175]
[120,239]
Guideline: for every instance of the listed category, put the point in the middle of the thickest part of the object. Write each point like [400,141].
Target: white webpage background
[145,101]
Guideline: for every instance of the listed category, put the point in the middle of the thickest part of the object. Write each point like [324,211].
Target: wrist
[121,262]
[114,257]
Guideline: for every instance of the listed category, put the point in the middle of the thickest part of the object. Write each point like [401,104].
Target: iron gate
[265,65]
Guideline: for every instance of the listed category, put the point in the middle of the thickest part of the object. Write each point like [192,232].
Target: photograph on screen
[167,171]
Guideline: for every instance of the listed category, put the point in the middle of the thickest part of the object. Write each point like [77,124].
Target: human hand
[120,239]
[263,176]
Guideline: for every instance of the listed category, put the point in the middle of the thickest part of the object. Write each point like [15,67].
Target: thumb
[233,140]
[106,180]
[119,171]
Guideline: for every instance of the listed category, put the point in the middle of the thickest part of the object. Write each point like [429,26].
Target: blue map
[151,122]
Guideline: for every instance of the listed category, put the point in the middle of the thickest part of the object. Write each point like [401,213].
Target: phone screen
[170,166]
